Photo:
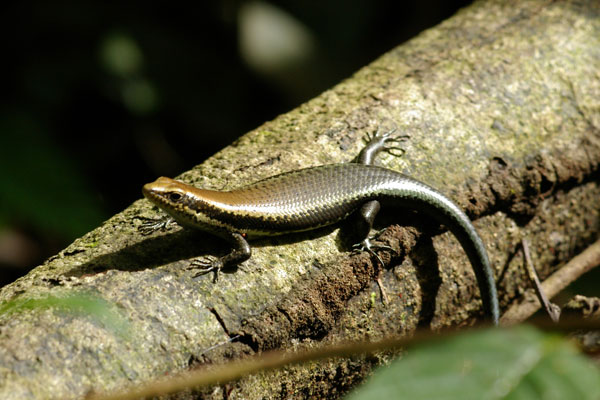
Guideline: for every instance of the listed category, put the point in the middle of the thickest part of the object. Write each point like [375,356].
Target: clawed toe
[395,151]
[150,225]
[367,246]
[385,137]
[204,265]
[384,247]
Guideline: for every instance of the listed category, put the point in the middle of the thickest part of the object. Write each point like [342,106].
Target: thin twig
[552,309]
[219,344]
[384,298]
[220,374]
[580,264]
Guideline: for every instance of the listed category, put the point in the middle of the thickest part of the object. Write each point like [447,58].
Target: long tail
[417,195]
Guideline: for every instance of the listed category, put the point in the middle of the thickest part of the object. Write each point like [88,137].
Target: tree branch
[554,284]
[501,104]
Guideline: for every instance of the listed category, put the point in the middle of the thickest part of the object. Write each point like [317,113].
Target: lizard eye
[175,197]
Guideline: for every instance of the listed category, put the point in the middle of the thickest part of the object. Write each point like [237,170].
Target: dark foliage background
[102,97]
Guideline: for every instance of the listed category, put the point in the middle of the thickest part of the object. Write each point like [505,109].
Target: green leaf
[520,363]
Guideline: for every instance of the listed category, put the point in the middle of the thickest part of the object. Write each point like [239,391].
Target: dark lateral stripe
[272,223]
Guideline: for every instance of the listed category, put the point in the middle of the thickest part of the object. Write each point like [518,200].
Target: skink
[311,198]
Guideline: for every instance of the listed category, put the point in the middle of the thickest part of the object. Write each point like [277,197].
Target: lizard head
[186,204]
[174,197]
[166,192]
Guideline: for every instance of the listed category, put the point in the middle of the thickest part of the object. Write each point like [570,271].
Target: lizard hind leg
[367,215]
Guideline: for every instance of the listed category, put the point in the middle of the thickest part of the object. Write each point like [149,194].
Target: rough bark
[502,105]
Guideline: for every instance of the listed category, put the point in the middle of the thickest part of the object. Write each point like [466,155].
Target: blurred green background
[101,97]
